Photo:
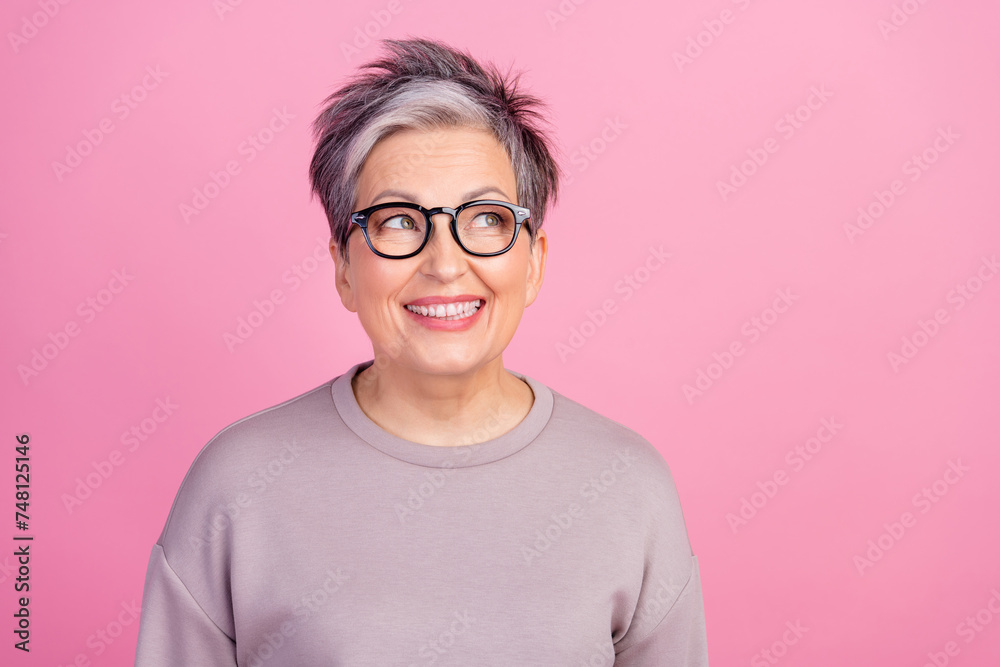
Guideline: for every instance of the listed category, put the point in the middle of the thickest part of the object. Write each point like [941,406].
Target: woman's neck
[443,410]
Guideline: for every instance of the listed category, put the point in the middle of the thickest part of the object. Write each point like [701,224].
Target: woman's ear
[536,266]
[343,277]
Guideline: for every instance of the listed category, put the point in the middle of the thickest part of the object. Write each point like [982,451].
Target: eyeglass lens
[482,228]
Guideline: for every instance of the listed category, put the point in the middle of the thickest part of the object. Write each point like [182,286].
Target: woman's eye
[487,220]
[399,222]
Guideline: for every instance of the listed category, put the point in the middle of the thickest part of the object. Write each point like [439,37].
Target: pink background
[671,133]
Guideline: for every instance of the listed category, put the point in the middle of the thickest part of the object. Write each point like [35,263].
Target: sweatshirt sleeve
[173,628]
[679,639]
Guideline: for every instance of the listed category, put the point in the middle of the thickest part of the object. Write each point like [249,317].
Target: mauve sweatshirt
[305,534]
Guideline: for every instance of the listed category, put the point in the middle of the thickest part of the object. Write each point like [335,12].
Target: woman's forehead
[454,162]
[416,146]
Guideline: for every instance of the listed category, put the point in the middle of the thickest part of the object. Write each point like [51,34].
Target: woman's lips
[450,311]
[458,298]
[446,315]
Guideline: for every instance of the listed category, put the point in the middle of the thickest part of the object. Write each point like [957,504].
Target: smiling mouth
[450,311]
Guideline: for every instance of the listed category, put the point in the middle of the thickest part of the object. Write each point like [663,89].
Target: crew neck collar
[460,456]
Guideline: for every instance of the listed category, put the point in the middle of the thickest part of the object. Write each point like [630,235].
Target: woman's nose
[442,254]
[441,237]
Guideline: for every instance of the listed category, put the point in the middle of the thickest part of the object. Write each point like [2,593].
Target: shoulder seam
[215,437]
[665,614]
[601,415]
[291,400]
[190,594]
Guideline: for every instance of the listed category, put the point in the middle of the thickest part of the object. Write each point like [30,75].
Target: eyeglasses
[484,228]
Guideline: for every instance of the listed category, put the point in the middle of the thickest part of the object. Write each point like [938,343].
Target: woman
[428,506]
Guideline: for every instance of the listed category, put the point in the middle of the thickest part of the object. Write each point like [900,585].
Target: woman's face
[445,167]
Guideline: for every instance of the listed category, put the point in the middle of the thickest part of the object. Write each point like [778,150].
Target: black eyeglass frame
[521,216]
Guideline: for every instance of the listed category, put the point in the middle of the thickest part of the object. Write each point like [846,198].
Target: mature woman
[428,506]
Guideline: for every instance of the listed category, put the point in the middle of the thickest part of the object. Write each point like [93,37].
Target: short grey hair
[427,85]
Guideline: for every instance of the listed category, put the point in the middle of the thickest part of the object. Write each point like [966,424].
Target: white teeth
[451,311]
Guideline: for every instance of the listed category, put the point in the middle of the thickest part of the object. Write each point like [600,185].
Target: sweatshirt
[305,534]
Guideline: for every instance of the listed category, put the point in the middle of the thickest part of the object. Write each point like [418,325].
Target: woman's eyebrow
[476,194]
[410,197]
